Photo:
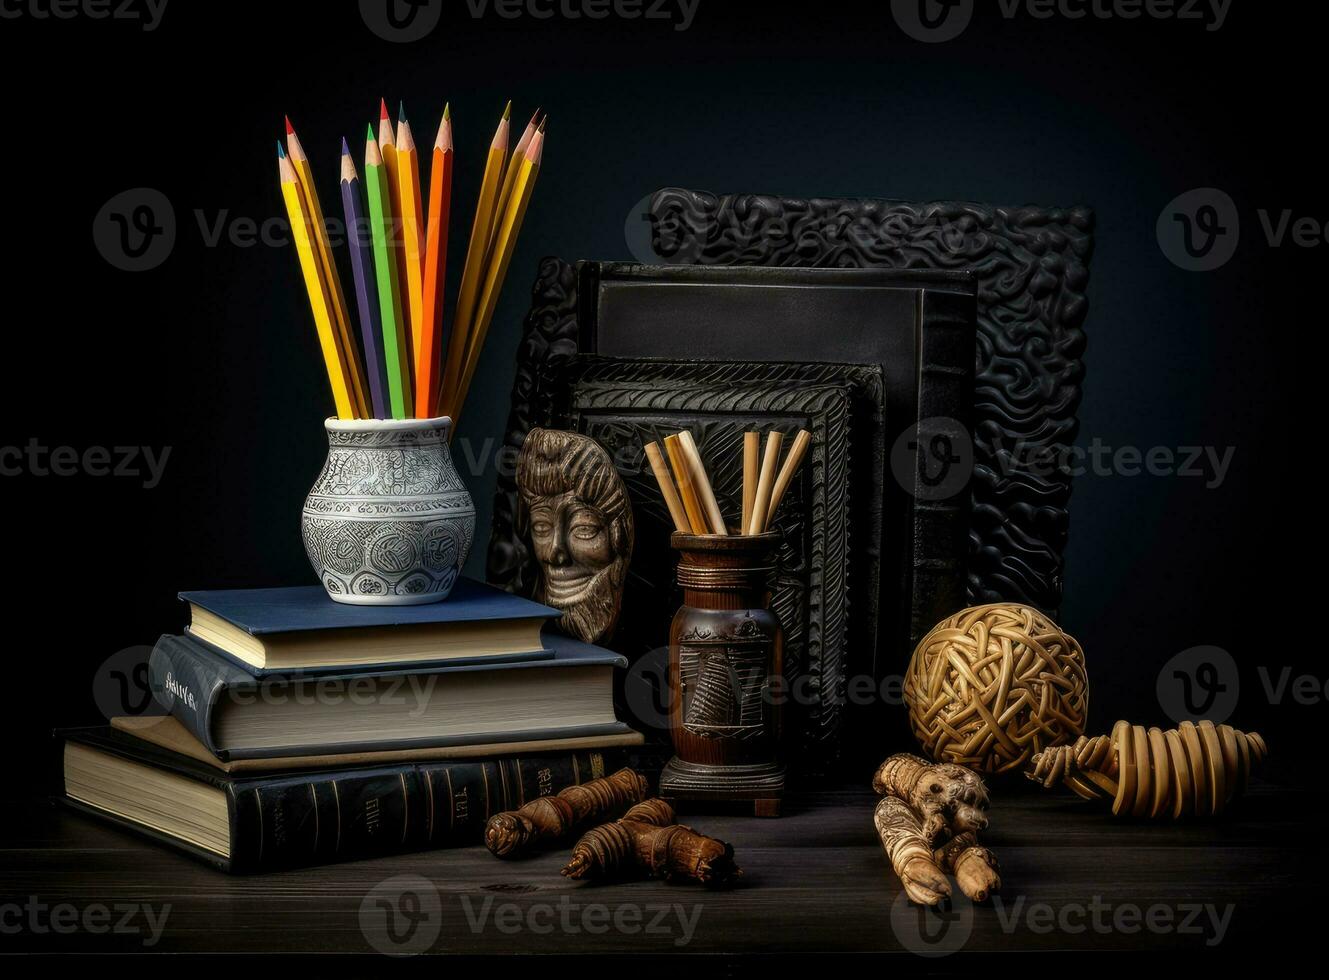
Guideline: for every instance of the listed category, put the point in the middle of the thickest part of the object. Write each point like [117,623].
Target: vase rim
[388,425]
[723,542]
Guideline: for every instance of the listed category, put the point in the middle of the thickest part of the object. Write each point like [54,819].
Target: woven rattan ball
[993,685]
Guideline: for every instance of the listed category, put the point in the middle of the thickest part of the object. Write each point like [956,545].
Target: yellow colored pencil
[473,270]
[510,174]
[319,300]
[341,317]
[412,227]
[499,262]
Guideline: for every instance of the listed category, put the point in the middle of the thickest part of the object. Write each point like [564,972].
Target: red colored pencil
[429,364]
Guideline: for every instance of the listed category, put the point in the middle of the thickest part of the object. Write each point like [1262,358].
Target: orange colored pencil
[413,233]
[429,358]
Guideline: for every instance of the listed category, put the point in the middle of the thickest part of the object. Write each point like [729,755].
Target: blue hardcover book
[281,630]
[568,695]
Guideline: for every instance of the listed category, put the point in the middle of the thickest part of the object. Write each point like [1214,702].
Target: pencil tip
[447,111]
[543,123]
[369,132]
[401,111]
[281,151]
[507,113]
[383,109]
[290,130]
[345,147]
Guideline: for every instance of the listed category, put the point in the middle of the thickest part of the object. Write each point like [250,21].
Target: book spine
[327,817]
[186,686]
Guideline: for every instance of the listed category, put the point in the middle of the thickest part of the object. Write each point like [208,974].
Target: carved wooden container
[726,651]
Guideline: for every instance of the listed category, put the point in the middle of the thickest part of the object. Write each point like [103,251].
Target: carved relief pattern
[1031,265]
[388,515]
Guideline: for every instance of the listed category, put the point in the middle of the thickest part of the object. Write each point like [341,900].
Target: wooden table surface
[815,880]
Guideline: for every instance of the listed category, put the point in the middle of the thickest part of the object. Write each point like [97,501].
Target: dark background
[213,353]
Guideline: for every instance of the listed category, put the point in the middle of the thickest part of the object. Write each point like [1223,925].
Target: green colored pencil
[382,229]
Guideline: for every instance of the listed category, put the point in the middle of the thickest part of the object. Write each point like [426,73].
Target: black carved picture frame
[1032,269]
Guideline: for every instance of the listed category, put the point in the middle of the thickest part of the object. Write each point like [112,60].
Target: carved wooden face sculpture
[576,509]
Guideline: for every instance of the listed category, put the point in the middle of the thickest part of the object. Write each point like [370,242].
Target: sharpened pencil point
[345,147]
[507,113]
[401,112]
[383,109]
[543,123]
[369,133]
[290,130]
[281,150]
[447,111]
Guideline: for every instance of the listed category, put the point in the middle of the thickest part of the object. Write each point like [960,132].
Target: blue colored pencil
[366,287]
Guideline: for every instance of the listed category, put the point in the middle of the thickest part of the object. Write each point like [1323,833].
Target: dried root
[928,822]
[1192,770]
[646,842]
[553,818]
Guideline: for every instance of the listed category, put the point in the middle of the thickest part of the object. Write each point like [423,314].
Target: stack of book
[300,731]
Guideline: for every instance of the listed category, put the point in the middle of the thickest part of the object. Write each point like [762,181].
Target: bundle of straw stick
[688,492]
[398,236]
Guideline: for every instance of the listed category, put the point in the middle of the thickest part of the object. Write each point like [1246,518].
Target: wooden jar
[725,646]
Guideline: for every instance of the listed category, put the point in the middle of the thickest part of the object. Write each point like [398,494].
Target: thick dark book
[287,629]
[244,824]
[237,715]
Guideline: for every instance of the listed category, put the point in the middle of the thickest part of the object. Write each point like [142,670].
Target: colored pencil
[413,232]
[378,187]
[677,513]
[683,474]
[387,148]
[319,301]
[331,279]
[769,464]
[428,361]
[510,175]
[791,464]
[360,241]
[473,271]
[497,271]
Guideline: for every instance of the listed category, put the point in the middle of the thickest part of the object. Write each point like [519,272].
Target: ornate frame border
[1031,266]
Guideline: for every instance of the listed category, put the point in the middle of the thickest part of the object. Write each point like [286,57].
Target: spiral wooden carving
[553,818]
[994,685]
[1192,770]
[646,842]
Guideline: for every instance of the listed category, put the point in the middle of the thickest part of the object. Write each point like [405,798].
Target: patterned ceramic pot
[389,521]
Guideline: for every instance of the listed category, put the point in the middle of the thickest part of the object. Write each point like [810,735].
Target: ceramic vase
[388,521]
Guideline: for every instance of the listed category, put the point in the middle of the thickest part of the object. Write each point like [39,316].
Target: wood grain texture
[814,881]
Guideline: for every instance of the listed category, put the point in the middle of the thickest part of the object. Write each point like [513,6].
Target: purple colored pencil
[366,288]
